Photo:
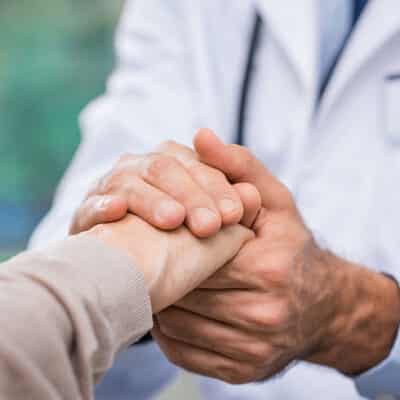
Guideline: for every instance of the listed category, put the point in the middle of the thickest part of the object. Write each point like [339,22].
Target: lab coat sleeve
[149,98]
[383,381]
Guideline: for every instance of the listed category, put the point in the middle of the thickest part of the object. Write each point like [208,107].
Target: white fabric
[180,64]
[335,23]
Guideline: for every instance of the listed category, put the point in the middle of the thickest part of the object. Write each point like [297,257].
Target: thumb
[239,165]
[98,209]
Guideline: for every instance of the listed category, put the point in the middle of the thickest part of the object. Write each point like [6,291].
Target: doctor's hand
[166,188]
[282,298]
[172,263]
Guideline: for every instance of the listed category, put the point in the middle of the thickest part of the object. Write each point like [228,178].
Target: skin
[166,188]
[282,298]
[182,261]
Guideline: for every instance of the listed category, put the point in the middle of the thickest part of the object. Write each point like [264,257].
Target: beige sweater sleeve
[64,314]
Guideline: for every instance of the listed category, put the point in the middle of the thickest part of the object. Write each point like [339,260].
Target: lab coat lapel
[294,28]
[379,22]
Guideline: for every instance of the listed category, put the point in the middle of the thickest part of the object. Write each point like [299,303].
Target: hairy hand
[282,298]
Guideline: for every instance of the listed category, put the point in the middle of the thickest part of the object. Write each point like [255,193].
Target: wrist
[109,235]
[364,320]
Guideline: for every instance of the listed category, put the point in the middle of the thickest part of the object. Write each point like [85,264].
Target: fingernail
[227,206]
[167,209]
[203,217]
[104,202]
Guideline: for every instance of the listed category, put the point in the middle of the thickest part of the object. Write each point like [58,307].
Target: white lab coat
[180,64]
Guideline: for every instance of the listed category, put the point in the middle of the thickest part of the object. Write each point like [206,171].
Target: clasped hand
[246,303]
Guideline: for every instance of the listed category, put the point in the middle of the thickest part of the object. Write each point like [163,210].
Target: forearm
[365,321]
[64,314]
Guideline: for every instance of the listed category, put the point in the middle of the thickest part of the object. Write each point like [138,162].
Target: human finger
[203,362]
[213,181]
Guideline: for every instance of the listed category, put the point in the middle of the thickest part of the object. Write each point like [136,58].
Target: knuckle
[270,319]
[242,159]
[253,317]
[261,319]
[108,184]
[217,176]
[215,181]
[281,258]
[275,270]
[156,165]
[97,214]
[237,373]
[228,373]
[248,374]
[113,181]
[165,317]
[259,353]
[174,356]
[277,316]
[168,329]
[257,319]
[173,352]
[281,273]
[185,155]
[197,169]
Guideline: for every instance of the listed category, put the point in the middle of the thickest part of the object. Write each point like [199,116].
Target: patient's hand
[173,263]
[167,188]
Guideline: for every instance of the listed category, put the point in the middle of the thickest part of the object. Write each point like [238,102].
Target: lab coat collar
[294,27]
[379,22]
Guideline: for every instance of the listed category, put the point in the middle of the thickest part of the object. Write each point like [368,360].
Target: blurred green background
[54,58]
